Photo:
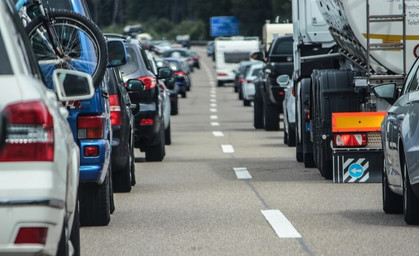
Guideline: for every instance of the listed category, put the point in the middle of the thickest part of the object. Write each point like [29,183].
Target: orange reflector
[357,121]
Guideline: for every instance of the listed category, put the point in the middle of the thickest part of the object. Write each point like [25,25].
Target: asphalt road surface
[225,188]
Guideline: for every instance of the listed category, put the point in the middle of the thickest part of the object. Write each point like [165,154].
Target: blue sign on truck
[224,26]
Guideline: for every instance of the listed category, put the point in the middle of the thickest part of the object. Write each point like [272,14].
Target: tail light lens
[90,127]
[179,73]
[30,133]
[115,106]
[195,57]
[149,82]
[222,74]
[350,140]
[249,81]
[32,235]
[241,80]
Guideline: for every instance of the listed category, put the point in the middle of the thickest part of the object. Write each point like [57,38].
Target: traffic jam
[302,140]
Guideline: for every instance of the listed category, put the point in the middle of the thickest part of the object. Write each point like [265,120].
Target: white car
[288,105]
[39,162]
[248,86]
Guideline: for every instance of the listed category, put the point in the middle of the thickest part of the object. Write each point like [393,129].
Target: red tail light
[179,73]
[281,93]
[90,127]
[350,140]
[32,235]
[195,57]
[149,82]
[222,74]
[116,114]
[249,81]
[91,151]
[30,133]
[241,80]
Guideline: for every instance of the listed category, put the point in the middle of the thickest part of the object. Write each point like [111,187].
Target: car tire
[392,203]
[240,93]
[258,113]
[183,94]
[122,179]
[111,198]
[410,201]
[95,207]
[157,152]
[291,136]
[220,83]
[246,103]
[168,135]
[174,108]
[270,117]
[63,248]
[75,231]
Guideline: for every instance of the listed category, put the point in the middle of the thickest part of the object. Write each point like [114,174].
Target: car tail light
[307,114]
[281,93]
[147,121]
[90,127]
[91,151]
[241,80]
[32,235]
[179,73]
[222,74]
[149,82]
[249,81]
[350,140]
[195,57]
[30,133]
[115,107]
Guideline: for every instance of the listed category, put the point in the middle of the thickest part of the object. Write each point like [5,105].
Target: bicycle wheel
[79,41]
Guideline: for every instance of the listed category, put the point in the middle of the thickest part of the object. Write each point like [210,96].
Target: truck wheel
[157,152]
[95,203]
[307,145]
[258,113]
[121,179]
[270,117]
[392,203]
[168,135]
[410,201]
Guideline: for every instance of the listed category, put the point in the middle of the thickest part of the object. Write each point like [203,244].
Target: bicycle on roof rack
[63,39]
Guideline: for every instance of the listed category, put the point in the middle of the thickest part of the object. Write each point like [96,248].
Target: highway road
[225,188]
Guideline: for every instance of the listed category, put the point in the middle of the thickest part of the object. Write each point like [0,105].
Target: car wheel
[111,198]
[95,203]
[270,117]
[220,83]
[75,231]
[410,201]
[246,103]
[121,179]
[258,113]
[240,93]
[156,152]
[285,137]
[392,203]
[168,135]
[174,107]
[183,94]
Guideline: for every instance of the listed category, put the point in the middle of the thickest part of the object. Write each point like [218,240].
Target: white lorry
[229,52]
[341,50]
[270,31]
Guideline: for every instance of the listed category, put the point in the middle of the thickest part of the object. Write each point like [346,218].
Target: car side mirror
[134,85]
[257,56]
[283,80]
[164,72]
[387,92]
[3,129]
[117,53]
[72,85]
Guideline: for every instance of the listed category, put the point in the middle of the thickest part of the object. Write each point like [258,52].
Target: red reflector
[115,106]
[146,121]
[221,74]
[307,114]
[33,235]
[281,93]
[149,82]
[350,140]
[249,81]
[91,151]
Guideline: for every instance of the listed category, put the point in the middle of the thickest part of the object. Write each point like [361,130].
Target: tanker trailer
[368,42]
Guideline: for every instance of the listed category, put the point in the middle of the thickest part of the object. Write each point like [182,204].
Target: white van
[229,52]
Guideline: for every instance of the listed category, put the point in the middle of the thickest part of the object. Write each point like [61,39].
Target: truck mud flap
[361,166]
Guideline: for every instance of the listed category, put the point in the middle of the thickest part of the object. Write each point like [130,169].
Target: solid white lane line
[213,109]
[218,134]
[215,124]
[213,117]
[227,148]
[242,173]
[281,225]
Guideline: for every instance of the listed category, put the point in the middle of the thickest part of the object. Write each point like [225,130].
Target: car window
[412,81]
[5,67]
[256,71]
[132,64]
[283,47]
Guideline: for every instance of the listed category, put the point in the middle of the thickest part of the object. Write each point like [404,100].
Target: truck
[229,52]
[270,31]
[342,49]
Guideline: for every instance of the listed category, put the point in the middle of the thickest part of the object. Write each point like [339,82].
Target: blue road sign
[224,26]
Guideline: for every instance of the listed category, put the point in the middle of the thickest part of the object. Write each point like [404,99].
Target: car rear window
[132,64]
[283,47]
[175,66]
[5,67]
[235,57]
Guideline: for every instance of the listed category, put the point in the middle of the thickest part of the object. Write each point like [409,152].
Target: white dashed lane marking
[213,109]
[213,117]
[218,134]
[227,148]
[280,224]
[215,124]
[242,173]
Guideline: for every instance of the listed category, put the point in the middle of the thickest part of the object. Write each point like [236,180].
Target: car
[39,161]
[195,58]
[182,54]
[122,120]
[149,127]
[288,105]
[210,48]
[181,73]
[248,87]
[158,47]
[400,137]
[133,30]
[171,86]
[184,41]
[239,76]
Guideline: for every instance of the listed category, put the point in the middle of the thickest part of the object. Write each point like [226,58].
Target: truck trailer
[342,49]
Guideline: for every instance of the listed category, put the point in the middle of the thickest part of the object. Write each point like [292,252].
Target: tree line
[166,18]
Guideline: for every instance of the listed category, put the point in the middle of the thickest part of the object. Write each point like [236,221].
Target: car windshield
[132,64]
[5,68]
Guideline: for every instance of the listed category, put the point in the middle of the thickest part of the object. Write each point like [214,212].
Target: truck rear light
[32,235]
[149,82]
[147,121]
[91,151]
[115,107]
[90,127]
[350,140]
[30,133]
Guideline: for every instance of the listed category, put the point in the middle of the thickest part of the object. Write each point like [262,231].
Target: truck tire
[392,203]
[157,152]
[258,112]
[95,203]
[270,117]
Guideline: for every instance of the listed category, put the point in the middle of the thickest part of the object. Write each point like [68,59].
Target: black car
[171,86]
[122,158]
[181,74]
